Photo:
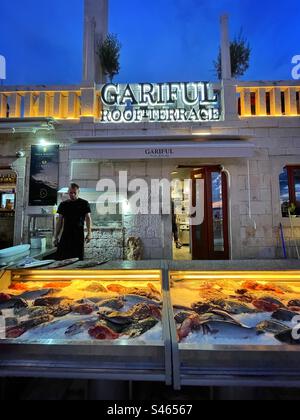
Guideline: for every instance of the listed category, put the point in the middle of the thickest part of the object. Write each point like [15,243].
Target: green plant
[240,52]
[109,54]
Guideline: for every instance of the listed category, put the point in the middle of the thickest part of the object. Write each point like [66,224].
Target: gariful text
[160,102]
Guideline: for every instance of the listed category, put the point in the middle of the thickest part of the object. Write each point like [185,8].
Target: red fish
[294,308]
[4,297]
[84,309]
[265,305]
[117,288]
[192,323]
[15,332]
[57,285]
[252,285]
[19,286]
[100,332]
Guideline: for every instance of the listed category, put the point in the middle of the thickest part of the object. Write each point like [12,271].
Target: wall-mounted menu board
[44,172]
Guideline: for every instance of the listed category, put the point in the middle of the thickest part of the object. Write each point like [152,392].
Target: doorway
[210,240]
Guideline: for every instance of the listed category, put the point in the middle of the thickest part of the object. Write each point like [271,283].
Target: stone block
[107,170]
[242,182]
[86,171]
[156,253]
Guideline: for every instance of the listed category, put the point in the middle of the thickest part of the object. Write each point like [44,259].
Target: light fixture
[43,142]
[202,134]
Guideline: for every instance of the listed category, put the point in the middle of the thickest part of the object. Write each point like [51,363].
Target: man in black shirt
[73,213]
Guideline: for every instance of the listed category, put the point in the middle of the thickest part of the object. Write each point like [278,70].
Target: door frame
[207,252]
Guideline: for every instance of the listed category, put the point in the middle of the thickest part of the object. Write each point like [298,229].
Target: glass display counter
[133,321]
[235,327]
[95,324]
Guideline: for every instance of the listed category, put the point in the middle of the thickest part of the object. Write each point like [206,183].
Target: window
[289,181]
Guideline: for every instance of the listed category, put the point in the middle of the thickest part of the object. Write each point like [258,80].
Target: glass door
[210,239]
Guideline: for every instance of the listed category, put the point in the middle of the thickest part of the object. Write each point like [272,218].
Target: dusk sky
[163,40]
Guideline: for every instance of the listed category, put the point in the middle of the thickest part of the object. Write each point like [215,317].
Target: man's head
[74,191]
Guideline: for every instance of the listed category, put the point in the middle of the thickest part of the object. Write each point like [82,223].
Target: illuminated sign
[161,102]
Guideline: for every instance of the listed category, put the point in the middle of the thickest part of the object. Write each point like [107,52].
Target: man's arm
[59,225]
[88,221]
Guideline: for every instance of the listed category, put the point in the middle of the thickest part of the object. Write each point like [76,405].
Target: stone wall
[155,231]
[106,245]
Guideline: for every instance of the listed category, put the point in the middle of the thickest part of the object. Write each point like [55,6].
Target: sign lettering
[161,102]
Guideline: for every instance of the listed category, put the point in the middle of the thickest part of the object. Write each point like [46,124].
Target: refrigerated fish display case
[235,328]
[93,324]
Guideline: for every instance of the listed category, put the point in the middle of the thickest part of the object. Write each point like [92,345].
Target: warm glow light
[237,275]
[118,275]
[93,277]
[202,134]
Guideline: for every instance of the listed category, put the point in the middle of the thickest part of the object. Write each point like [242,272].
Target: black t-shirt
[74,213]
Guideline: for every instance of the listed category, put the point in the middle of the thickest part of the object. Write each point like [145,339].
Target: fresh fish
[118,318]
[272,327]
[35,294]
[96,288]
[286,337]
[222,316]
[294,308]
[58,284]
[117,328]
[295,302]
[11,322]
[116,303]
[50,301]
[149,292]
[14,302]
[4,297]
[267,304]
[139,328]
[32,312]
[84,309]
[101,332]
[16,332]
[284,315]
[232,307]
[180,317]
[136,313]
[80,327]
[243,296]
[135,299]
[60,310]
[268,287]
[190,324]
[201,307]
